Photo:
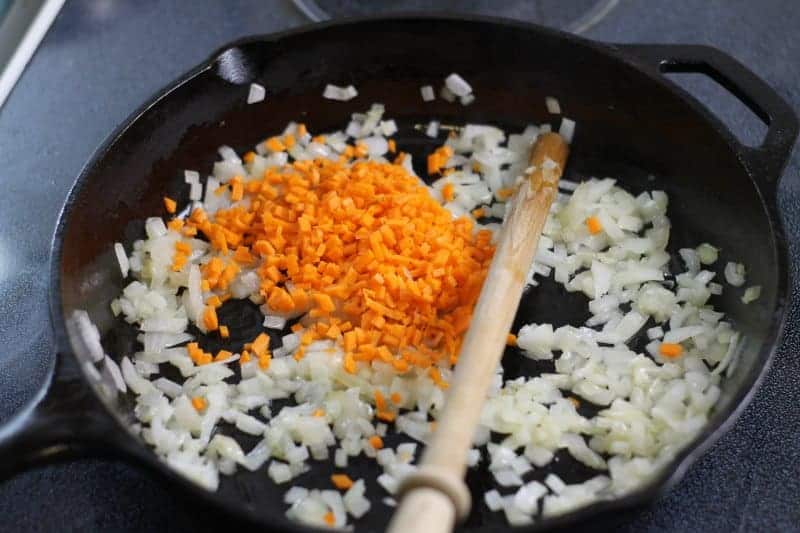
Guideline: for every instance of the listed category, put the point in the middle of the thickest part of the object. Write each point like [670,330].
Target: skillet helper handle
[63,420]
[765,161]
[435,496]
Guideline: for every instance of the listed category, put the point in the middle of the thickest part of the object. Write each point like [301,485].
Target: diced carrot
[324,301]
[237,191]
[170,205]
[199,403]
[380,401]
[376,442]
[448,192]
[594,225]
[274,144]
[349,363]
[504,194]
[670,350]
[438,159]
[386,416]
[210,320]
[511,339]
[361,149]
[260,345]
[243,255]
[183,247]
[318,413]
[357,249]
[176,224]
[222,355]
[341,481]
[396,398]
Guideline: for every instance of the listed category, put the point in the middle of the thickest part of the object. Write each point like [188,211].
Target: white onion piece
[256,93]
[427,93]
[433,129]
[116,375]
[89,334]
[751,294]
[122,259]
[735,274]
[343,94]
[553,107]
[567,129]
[457,85]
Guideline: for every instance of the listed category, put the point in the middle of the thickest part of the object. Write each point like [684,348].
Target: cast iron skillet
[633,124]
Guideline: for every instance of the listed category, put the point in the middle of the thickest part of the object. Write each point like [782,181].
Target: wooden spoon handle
[444,461]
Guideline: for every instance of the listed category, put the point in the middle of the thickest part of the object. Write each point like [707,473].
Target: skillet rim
[719,423]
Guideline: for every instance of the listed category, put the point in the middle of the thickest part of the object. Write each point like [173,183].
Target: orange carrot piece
[260,345]
[210,320]
[170,205]
[448,192]
[341,481]
[274,144]
[380,401]
[594,226]
[199,403]
[349,363]
[670,350]
[176,224]
[386,416]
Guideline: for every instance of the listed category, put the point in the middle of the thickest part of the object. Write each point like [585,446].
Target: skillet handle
[765,162]
[65,419]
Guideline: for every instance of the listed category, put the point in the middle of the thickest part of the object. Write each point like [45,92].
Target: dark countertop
[102,58]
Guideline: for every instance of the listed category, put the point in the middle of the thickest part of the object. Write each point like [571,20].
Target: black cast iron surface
[96,66]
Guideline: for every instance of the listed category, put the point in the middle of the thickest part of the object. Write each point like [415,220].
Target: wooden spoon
[435,496]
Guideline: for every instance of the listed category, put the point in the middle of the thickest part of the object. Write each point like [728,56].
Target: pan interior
[630,127]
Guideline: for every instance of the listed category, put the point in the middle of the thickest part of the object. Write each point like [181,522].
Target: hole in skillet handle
[766,161]
[748,128]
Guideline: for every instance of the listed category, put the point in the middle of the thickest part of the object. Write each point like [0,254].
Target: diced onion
[256,94]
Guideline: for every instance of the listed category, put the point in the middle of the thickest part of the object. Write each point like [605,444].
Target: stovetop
[102,58]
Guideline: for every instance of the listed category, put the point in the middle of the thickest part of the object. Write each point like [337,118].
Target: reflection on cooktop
[576,15]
